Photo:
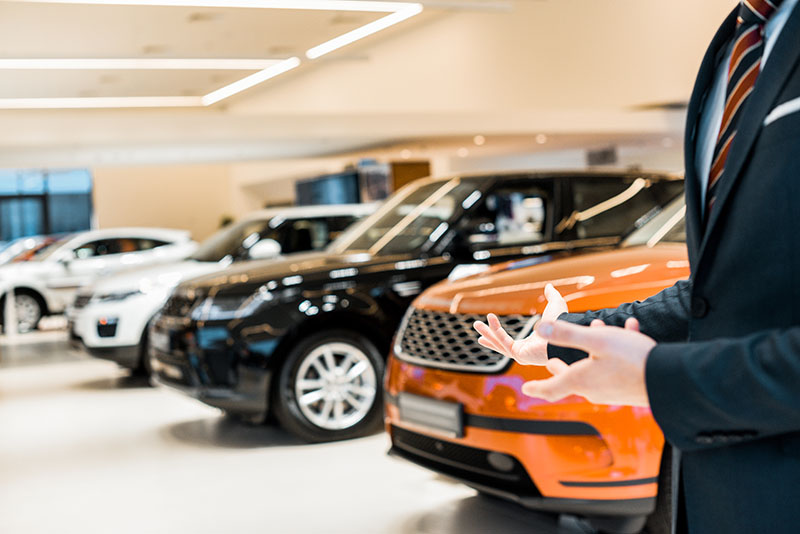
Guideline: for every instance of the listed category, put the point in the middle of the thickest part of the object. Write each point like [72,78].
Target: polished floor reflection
[86,449]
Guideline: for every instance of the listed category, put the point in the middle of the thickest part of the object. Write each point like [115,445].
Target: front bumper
[204,363]
[130,318]
[571,457]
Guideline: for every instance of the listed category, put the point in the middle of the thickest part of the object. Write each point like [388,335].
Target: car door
[87,261]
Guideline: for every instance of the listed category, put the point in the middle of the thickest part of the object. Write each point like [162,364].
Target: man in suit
[716,357]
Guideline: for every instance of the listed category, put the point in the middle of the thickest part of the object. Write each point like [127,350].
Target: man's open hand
[612,374]
[529,351]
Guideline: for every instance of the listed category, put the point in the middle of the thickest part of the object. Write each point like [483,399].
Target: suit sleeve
[696,413]
[664,317]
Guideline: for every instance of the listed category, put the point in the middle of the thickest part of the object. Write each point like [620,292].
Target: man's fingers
[551,389]
[631,323]
[486,342]
[589,339]
[501,336]
[551,293]
[597,322]
[556,366]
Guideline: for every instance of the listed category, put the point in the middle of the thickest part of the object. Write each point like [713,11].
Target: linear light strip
[400,11]
[136,64]
[324,5]
[368,29]
[101,102]
[248,82]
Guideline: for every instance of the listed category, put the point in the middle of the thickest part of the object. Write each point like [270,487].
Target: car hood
[163,276]
[312,267]
[586,282]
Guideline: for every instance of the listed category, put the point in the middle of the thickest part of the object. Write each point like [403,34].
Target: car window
[338,224]
[302,235]
[612,206]
[510,215]
[149,244]
[106,247]
[414,218]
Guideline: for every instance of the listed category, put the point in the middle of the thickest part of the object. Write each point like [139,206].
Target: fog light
[501,462]
[107,327]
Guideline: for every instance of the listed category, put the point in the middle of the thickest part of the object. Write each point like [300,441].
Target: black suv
[305,339]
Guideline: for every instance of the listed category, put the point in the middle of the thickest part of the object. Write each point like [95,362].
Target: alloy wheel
[28,312]
[336,386]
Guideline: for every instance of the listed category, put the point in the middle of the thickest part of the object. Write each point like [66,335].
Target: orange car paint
[629,444]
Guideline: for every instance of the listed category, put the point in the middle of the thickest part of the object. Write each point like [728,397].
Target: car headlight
[116,296]
[227,307]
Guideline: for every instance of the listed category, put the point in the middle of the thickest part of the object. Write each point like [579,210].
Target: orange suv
[456,408]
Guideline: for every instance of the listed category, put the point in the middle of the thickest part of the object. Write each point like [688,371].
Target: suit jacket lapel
[773,77]
[703,83]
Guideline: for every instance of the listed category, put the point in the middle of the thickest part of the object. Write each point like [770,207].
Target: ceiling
[568,68]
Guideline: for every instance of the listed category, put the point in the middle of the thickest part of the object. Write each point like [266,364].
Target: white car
[47,283]
[109,318]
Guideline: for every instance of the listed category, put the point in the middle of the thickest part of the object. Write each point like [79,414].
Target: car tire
[29,310]
[144,368]
[329,387]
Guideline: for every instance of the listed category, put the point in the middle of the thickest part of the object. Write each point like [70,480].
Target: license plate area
[444,417]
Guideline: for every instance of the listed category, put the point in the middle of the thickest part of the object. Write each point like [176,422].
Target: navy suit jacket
[724,380]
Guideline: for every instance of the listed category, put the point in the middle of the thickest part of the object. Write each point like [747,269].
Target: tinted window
[415,216]
[105,247]
[667,226]
[510,215]
[612,206]
[148,244]
[235,240]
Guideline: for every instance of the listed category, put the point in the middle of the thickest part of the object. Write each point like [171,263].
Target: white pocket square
[787,108]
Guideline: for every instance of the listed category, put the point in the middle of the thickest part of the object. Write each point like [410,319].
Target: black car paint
[230,363]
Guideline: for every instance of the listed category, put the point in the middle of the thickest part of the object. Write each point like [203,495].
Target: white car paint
[133,298]
[58,271]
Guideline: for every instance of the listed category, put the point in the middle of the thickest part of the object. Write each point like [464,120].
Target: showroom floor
[86,449]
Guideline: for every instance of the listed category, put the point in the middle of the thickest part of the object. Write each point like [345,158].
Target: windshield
[48,251]
[416,214]
[234,240]
[667,226]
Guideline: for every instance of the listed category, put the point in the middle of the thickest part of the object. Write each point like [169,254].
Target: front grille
[448,340]
[81,301]
[468,464]
[178,305]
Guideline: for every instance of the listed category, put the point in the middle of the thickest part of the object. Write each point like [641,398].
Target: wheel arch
[379,332]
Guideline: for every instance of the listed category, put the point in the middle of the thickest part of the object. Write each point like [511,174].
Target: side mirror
[266,249]
[65,260]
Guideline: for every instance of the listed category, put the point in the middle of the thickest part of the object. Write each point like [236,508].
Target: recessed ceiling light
[479,140]
[541,139]
[405,153]
[463,152]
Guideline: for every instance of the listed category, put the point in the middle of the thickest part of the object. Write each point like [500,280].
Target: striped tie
[748,47]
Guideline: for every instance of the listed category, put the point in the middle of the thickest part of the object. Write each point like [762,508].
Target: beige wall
[191,197]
